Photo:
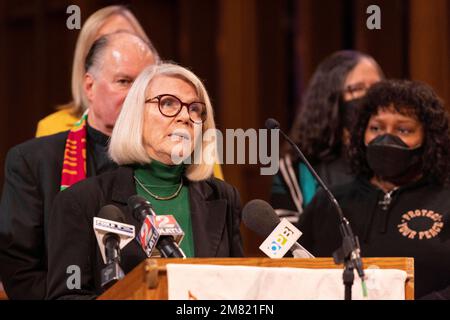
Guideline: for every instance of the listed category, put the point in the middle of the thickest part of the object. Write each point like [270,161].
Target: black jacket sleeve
[70,246]
[306,223]
[22,244]
[236,240]
[319,224]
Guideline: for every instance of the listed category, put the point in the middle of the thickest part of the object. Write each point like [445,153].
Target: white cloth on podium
[214,282]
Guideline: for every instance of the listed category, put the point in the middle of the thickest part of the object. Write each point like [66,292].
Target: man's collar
[96,136]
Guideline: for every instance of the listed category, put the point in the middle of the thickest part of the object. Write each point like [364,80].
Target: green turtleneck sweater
[164,180]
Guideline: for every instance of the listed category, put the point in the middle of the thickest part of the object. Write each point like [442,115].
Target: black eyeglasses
[356,90]
[170,106]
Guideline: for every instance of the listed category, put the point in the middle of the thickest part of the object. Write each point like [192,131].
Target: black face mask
[392,160]
[348,111]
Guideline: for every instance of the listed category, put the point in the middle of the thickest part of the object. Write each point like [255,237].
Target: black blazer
[32,180]
[215,212]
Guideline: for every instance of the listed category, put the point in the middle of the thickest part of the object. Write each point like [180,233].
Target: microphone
[112,235]
[350,249]
[281,236]
[161,232]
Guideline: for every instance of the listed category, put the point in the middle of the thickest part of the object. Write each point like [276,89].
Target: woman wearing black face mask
[399,204]
[321,129]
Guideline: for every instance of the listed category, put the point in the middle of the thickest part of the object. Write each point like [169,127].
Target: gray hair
[126,145]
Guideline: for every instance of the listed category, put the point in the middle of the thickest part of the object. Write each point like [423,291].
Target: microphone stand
[349,252]
[112,272]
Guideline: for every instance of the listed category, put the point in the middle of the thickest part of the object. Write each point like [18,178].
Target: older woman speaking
[159,143]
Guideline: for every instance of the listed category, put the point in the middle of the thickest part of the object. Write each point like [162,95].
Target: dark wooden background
[254,55]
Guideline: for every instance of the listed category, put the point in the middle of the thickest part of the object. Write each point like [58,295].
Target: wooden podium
[148,281]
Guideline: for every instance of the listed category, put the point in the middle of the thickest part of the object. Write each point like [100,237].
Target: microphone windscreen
[136,201]
[111,212]
[271,123]
[260,217]
[140,207]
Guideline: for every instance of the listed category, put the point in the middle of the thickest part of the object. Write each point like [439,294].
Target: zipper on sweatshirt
[385,204]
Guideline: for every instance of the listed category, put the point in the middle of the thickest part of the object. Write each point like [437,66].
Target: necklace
[159,197]
[387,199]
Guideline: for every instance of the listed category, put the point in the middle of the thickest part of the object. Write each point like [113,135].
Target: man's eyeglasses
[170,106]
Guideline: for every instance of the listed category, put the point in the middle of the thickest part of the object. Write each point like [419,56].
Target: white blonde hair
[87,36]
[127,145]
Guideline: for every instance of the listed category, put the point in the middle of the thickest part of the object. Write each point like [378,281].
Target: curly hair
[317,129]
[410,98]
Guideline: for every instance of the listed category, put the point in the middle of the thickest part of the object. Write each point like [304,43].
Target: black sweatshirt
[413,221]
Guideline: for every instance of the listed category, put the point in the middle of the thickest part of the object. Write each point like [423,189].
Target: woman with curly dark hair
[399,203]
[321,129]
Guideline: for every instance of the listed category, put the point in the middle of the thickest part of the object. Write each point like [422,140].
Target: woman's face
[169,139]
[359,79]
[389,121]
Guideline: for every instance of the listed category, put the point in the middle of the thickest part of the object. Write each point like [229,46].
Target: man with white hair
[35,171]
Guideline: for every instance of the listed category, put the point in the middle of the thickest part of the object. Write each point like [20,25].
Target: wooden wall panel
[36,58]
[238,88]
[275,68]
[319,31]
[197,42]
[161,21]
[3,81]
[389,46]
[430,45]
[237,61]
[21,88]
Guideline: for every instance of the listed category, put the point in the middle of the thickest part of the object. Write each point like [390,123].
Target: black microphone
[166,244]
[112,243]
[261,218]
[350,249]
[111,240]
